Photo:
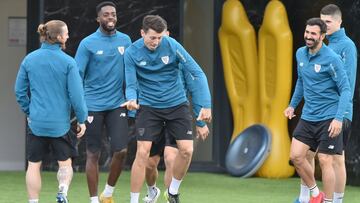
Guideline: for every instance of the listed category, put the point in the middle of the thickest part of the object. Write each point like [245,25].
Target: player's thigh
[116,122]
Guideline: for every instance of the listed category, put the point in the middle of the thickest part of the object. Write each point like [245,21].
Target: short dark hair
[104,3]
[318,22]
[331,9]
[154,22]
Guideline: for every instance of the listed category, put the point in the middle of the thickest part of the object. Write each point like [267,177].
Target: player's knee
[151,165]
[92,156]
[120,155]
[325,160]
[169,159]
[143,154]
[338,162]
[186,152]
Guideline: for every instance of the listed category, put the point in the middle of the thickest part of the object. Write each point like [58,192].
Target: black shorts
[62,148]
[346,131]
[158,146]
[114,122]
[176,121]
[316,136]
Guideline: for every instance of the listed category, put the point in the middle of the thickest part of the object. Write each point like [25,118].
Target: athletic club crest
[121,50]
[317,68]
[165,59]
[141,131]
[90,119]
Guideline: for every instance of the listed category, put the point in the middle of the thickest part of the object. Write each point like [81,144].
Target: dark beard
[106,29]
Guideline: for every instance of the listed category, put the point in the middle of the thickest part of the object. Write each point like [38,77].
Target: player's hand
[204,115]
[202,132]
[335,128]
[130,105]
[289,112]
[81,128]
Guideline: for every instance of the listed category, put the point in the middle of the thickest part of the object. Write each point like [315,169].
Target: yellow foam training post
[275,76]
[239,56]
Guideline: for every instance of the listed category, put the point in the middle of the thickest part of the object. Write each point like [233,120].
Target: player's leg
[304,139]
[179,125]
[304,195]
[339,165]
[327,149]
[93,136]
[149,125]
[36,148]
[116,122]
[64,149]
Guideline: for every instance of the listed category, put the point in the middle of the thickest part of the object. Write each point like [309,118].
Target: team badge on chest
[121,50]
[317,68]
[165,59]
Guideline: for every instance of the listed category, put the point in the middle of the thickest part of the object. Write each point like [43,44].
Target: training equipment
[248,151]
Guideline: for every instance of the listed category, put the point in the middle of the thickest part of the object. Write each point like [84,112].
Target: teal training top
[323,83]
[53,81]
[100,59]
[152,77]
[345,47]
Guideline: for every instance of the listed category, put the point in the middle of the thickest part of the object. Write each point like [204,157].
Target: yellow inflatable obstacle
[259,90]
[275,74]
[239,57]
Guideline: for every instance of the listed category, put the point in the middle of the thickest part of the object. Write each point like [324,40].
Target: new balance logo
[123,115]
[100,52]
[331,147]
[189,132]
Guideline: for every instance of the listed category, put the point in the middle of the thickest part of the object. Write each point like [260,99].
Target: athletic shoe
[148,199]
[103,199]
[61,198]
[298,201]
[318,199]
[173,198]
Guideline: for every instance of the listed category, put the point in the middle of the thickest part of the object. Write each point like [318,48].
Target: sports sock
[33,200]
[304,193]
[63,188]
[152,190]
[174,186]
[108,190]
[134,197]
[94,199]
[338,197]
[314,190]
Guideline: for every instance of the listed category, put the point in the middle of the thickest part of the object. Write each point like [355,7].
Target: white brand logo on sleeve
[123,115]
[142,63]
[317,68]
[331,147]
[165,59]
[100,52]
[121,50]
[90,119]
[301,64]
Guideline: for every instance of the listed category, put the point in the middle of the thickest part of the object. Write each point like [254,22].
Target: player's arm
[339,76]
[297,95]
[82,58]
[350,64]
[131,82]
[76,93]
[22,88]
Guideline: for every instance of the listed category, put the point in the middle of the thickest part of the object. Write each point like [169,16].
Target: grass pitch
[196,188]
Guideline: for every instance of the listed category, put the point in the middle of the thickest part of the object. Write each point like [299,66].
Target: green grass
[196,188]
